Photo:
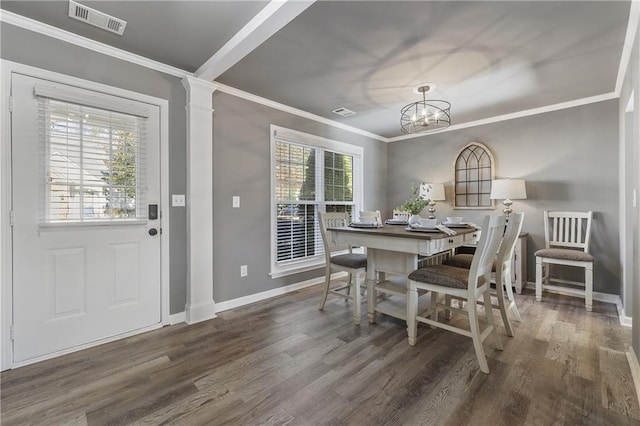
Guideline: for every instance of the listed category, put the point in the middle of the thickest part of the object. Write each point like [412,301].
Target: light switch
[236,201]
[177,200]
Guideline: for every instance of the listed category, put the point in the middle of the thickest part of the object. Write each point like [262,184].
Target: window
[473,173]
[93,162]
[309,175]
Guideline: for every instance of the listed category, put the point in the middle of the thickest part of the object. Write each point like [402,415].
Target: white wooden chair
[402,213]
[472,284]
[501,269]
[372,213]
[567,236]
[352,263]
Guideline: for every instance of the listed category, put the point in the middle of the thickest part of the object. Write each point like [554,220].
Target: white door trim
[6,280]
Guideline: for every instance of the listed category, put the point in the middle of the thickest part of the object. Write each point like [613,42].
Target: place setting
[367,222]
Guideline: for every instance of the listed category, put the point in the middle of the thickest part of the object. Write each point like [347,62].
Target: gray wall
[241,166]
[568,158]
[33,49]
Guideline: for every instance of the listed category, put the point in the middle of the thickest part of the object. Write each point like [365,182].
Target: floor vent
[343,112]
[96,18]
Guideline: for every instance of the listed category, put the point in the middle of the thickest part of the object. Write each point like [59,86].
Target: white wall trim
[165,213]
[200,304]
[295,111]
[178,318]
[57,33]
[6,278]
[263,25]
[514,115]
[625,320]
[258,297]
[253,298]
[7,68]
[600,297]
[96,46]
[625,57]
[632,359]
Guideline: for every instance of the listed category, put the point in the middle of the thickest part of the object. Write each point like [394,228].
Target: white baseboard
[600,297]
[624,319]
[253,298]
[177,318]
[632,359]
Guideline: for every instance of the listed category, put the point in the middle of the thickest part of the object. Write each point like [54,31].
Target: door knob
[153,231]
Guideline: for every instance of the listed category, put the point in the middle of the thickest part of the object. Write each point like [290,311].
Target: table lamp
[433,192]
[507,190]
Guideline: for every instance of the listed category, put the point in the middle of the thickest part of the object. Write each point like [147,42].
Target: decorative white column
[200,305]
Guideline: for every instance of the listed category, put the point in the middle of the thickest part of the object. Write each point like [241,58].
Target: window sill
[297,269]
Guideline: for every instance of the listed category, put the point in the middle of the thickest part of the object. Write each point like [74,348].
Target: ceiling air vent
[96,18]
[343,112]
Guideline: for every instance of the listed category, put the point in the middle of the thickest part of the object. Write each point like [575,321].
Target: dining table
[394,251]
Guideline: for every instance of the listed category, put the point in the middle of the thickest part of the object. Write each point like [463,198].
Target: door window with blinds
[309,175]
[93,158]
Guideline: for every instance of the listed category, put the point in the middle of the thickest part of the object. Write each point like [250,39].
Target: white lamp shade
[432,191]
[513,189]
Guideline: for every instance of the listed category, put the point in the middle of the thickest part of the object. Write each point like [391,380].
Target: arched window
[473,172]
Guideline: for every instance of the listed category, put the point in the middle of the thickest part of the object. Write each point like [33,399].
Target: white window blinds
[94,162]
[296,204]
[309,175]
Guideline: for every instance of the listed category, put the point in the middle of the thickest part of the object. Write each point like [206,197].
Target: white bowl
[367,220]
[454,219]
[428,223]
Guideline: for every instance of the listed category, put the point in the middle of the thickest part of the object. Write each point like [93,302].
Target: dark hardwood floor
[282,361]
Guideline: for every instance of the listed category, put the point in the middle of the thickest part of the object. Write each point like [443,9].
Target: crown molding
[96,46]
[514,115]
[295,111]
[69,37]
[57,33]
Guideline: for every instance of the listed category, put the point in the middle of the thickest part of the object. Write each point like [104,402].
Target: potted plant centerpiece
[414,205]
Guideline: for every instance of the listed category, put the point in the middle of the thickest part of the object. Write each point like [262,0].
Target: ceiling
[487,58]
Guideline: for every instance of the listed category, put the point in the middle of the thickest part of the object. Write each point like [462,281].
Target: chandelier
[425,115]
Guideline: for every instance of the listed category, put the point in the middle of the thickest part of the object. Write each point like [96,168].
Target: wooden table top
[401,231]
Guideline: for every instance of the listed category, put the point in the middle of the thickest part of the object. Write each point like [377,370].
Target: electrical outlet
[243,271]
[178,200]
[236,202]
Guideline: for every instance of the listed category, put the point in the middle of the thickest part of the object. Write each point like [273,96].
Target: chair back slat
[482,263]
[568,229]
[332,220]
[511,234]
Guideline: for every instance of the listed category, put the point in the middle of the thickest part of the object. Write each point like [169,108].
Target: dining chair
[567,236]
[470,284]
[352,263]
[501,270]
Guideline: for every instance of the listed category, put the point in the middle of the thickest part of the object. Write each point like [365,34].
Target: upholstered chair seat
[350,260]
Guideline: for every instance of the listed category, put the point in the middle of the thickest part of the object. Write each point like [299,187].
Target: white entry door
[86,237]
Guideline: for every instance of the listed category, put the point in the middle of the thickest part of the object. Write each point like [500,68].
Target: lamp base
[432,210]
[507,207]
